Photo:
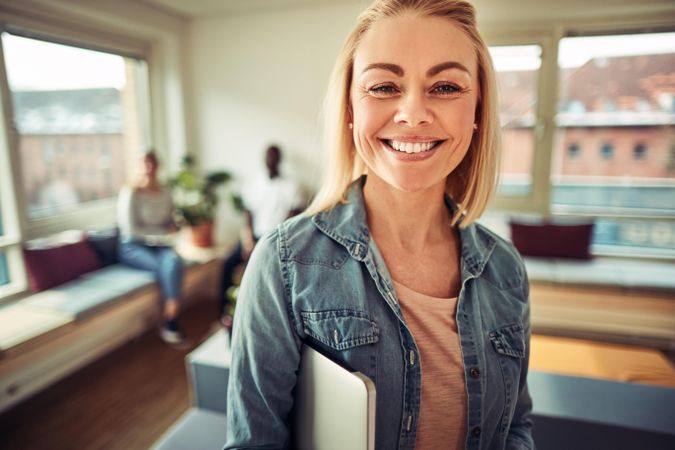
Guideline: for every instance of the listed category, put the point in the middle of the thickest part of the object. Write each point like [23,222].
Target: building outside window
[622,87]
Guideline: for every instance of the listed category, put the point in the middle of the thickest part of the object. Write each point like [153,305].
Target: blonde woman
[387,271]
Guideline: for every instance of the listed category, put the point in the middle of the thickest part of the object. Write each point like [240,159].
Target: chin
[412,183]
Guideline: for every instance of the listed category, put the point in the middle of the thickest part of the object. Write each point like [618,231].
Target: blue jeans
[162,261]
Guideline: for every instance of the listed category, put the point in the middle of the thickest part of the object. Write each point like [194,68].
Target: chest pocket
[509,341]
[340,329]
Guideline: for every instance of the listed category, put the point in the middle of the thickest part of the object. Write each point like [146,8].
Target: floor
[127,399]
[123,401]
[600,360]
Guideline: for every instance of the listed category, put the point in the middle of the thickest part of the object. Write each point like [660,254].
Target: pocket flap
[340,329]
[509,340]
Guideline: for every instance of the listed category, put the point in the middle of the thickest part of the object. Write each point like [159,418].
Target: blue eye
[383,90]
[446,89]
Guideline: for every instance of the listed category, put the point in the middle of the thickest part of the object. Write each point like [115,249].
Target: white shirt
[270,200]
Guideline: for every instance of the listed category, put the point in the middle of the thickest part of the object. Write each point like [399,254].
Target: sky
[574,52]
[39,65]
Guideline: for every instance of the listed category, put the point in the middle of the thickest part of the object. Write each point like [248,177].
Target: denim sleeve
[265,356]
[520,431]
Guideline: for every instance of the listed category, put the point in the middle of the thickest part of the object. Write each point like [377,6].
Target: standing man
[268,200]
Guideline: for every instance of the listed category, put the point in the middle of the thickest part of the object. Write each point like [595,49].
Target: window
[616,95]
[607,151]
[4,268]
[574,151]
[640,152]
[90,99]
[517,68]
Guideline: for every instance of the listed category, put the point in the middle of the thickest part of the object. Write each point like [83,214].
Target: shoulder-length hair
[473,181]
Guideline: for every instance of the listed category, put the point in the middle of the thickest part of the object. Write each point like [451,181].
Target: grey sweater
[145,215]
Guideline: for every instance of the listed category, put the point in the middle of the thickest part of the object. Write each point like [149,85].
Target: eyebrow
[398,70]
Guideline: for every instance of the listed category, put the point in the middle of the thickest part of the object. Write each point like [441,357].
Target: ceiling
[204,8]
[489,10]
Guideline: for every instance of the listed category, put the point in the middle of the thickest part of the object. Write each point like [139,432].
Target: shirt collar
[346,223]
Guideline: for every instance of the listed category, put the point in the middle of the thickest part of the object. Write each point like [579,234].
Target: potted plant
[195,199]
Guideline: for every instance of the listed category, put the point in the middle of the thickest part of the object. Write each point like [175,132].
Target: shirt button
[475,372]
[476,432]
[412,358]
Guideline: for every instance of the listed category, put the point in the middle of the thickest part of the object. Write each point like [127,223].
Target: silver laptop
[334,408]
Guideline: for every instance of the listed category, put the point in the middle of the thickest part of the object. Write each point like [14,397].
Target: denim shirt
[321,280]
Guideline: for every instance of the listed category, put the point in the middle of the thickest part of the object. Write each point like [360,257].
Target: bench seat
[48,335]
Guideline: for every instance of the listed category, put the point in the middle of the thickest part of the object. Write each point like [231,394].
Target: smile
[411,147]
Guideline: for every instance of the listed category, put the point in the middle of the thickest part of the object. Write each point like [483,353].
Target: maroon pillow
[553,240]
[49,267]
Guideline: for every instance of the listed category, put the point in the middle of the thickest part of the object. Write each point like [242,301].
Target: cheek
[370,115]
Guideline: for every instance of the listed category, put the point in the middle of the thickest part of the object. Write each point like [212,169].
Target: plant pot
[202,234]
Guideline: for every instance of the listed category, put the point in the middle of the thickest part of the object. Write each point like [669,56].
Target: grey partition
[582,413]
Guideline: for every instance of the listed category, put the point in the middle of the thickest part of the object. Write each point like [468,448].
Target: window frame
[537,199]
[90,214]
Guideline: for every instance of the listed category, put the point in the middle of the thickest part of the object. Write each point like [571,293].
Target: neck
[149,183]
[408,220]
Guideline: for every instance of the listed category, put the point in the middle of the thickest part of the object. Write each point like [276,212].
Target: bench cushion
[91,291]
[49,267]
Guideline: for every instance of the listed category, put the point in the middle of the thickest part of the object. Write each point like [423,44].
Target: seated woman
[147,231]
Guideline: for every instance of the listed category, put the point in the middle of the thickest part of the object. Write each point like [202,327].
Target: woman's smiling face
[413,100]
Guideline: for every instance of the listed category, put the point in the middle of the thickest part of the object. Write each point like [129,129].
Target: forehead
[415,43]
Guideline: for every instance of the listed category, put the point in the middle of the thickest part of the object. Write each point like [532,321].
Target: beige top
[442,422]
[144,214]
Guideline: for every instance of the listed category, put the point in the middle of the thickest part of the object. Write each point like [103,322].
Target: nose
[413,110]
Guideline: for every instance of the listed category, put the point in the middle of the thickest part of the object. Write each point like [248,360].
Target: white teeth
[411,147]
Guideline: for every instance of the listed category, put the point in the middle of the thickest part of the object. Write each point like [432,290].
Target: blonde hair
[473,181]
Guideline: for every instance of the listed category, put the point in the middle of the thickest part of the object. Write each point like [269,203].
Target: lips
[416,146]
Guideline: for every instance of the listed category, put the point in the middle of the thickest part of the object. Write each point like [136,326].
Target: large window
[614,153]
[80,119]
[612,145]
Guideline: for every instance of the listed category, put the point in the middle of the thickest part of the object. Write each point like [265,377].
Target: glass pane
[79,127]
[517,70]
[615,152]
[4,269]
[656,235]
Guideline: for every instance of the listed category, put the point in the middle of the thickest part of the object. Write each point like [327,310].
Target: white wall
[260,78]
